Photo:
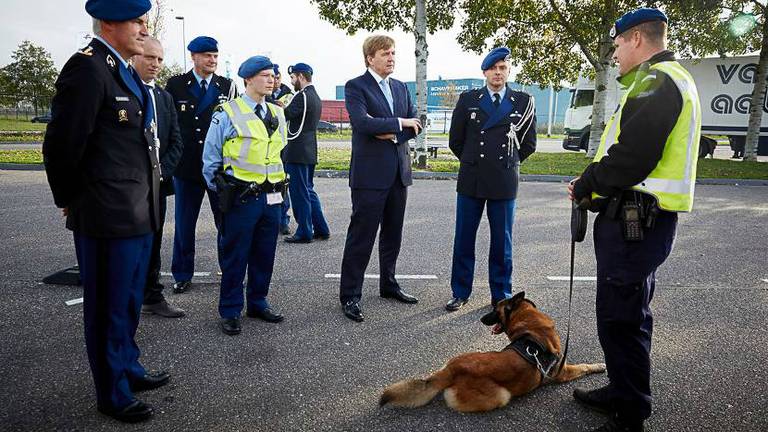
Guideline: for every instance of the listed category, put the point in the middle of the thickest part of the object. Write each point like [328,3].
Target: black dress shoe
[150,381]
[400,296]
[352,311]
[231,326]
[182,287]
[321,236]
[455,304]
[163,309]
[284,230]
[597,400]
[294,239]
[135,412]
[266,315]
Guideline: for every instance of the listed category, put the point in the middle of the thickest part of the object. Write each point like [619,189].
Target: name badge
[122,98]
[274,198]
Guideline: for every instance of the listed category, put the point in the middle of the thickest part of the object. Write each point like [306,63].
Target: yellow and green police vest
[253,155]
[672,181]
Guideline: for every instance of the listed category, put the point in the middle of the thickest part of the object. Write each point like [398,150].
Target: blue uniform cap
[203,44]
[276,68]
[638,16]
[254,65]
[300,67]
[494,56]
[117,10]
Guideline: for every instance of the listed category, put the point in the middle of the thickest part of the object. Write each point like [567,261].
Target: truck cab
[578,116]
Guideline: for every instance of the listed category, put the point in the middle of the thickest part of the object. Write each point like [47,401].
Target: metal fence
[23,107]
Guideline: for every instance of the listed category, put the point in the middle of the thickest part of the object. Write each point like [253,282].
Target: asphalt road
[320,371]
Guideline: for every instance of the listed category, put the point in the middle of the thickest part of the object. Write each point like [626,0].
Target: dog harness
[534,353]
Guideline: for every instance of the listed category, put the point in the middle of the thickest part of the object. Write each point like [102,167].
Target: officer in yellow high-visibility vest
[642,177]
[241,162]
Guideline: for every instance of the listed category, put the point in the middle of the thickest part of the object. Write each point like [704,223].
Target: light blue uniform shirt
[501,93]
[114,51]
[199,78]
[219,132]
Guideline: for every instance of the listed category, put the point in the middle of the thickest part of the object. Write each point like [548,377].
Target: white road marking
[764,280]
[73,301]
[375,276]
[198,274]
[575,278]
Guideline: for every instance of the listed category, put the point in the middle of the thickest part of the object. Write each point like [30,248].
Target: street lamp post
[183,41]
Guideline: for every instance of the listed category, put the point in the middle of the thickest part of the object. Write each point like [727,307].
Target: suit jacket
[98,151]
[478,137]
[168,133]
[303,148]
[377,163]
[194,111]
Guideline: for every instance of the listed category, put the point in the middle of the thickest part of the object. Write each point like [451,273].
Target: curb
[424,175]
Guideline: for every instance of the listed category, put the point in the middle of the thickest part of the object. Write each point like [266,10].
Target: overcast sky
[289,31]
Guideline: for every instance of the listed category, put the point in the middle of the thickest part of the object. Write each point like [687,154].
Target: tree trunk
[420,33]
[605,48]
[758,100]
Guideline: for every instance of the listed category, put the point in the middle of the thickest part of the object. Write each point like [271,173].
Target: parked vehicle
[324,126]
[45,118]
[724,85]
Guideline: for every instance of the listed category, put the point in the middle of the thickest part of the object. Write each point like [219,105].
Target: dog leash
[579,219]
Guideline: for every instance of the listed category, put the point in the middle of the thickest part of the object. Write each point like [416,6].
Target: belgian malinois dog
[484,381]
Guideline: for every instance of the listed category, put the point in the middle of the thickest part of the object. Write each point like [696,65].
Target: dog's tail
[414,393]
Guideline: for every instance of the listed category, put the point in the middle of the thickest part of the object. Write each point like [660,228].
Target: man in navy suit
[493,129]
[195,94]
[103,172]
[169,147]
[383,120]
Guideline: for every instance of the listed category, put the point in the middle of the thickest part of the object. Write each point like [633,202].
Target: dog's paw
[598,368]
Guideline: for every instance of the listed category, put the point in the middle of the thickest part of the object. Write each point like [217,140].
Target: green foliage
[354,15]
[31,76]
[167,72]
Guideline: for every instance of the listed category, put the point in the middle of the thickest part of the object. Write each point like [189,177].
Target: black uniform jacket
[169,135]
[98,155]
[303,149]
[647,119]
[489,168]
[195,111]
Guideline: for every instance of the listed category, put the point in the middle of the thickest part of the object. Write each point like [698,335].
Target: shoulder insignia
[110,61]
[87,51]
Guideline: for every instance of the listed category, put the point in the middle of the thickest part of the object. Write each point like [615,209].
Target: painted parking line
[73,301]
[575,278]
[198,274]
[375,276]
[764,280]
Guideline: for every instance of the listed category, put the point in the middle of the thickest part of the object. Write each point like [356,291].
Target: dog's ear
[491,318]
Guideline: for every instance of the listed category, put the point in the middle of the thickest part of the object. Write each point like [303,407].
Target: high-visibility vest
[673,179]
[253,155]
[286,99]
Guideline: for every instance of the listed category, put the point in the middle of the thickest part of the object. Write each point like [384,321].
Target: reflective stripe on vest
[252,155]
[673,179]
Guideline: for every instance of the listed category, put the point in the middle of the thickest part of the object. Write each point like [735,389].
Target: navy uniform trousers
[626,273]
[247,241]
[189,198]
[113,272]
[501,217]
[285,219]
[307,209]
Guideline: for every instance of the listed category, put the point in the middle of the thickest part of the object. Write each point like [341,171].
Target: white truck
[725,88]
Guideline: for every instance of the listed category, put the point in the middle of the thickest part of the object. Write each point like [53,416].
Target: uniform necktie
[496,101]
[259,114]
[387,94]
[204,86]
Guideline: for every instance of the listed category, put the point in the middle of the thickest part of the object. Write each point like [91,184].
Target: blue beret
[254,65]
[494,56]
[300,67]
[276,68]
[117,10]
[203,44]
[638,16]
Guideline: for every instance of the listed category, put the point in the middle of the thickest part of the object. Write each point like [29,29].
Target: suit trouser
[248,241]
[113,272]
[501,218]
[153,291]
[372,208]
[189,198]
[626,273]
[307,210]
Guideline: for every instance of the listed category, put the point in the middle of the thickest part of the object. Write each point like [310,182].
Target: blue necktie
[387,94]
